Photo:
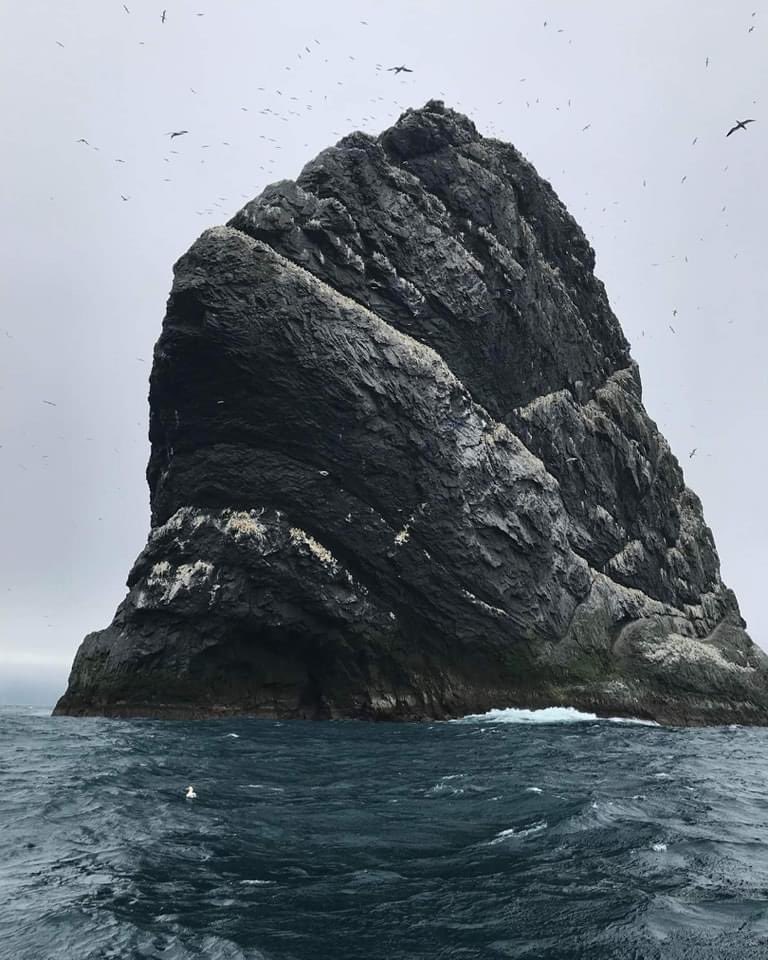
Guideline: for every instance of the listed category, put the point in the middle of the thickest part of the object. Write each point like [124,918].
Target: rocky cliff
[401,467]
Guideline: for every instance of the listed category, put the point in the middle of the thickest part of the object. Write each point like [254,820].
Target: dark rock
[401,467]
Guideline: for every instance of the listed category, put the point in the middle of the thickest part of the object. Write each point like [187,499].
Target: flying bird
[706,62]
[83,140]
[400,69]
[740,125]
[124,198]
[50,403]
[177,133]
[691,454]
[60,43]
[162,18]
[126,9]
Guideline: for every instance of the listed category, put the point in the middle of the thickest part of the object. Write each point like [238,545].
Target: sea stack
[401,467]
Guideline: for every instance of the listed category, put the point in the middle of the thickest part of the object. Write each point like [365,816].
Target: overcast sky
[605,98]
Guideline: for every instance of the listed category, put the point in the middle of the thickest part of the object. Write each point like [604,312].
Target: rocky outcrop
[401,467]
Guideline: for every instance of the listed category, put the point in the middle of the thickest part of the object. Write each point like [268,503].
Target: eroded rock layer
[401,467]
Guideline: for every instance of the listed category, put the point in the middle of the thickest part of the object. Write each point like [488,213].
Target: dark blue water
[351,840]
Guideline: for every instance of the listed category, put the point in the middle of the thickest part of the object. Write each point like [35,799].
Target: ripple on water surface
[508,835]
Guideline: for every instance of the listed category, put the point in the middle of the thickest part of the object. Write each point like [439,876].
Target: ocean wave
[547,715]
[517,833]
[444,785]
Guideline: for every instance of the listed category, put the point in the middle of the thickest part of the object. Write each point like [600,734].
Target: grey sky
[85,274]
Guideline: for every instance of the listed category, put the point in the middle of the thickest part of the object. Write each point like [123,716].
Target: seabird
[177,133]
[190,794]
[124,198]
[740,125]
[692,452]
[83,140]
[50,403]
[399,70]
[60,43]
[162,20]
[126,9]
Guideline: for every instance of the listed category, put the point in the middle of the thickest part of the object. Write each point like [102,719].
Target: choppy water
[477,839]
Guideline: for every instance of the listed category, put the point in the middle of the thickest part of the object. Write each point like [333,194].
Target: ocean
[547,835]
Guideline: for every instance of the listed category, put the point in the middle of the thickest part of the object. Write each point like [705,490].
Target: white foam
[518,715]
[445,786]
[546,715]
[256,883]
[518,834]
[636,720]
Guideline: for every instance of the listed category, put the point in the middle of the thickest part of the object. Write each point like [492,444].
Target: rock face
[401,467]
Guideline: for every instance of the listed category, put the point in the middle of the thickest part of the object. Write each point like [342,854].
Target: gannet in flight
[740,125]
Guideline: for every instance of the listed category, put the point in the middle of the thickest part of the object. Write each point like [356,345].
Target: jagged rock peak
[429,129]
[401,467]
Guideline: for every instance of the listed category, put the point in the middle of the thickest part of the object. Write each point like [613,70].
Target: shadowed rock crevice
[401,467]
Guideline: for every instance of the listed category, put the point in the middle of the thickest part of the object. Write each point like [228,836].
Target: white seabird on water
[190,794]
